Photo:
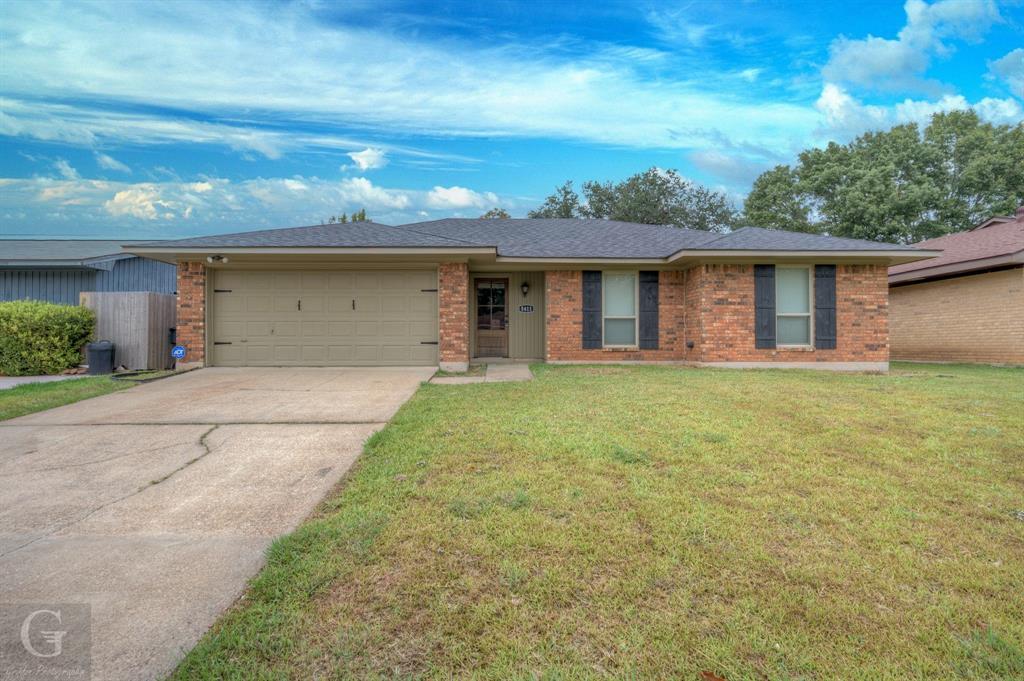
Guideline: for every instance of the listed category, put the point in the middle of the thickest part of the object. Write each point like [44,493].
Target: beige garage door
[320,318]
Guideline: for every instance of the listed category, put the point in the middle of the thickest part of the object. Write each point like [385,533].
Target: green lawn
[661,522]
[33,397]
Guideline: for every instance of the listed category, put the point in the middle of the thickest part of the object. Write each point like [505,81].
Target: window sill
[795,348]
[620,348]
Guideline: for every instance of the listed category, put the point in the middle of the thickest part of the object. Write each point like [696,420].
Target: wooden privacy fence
[137,323]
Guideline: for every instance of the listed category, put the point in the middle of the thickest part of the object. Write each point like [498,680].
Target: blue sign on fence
[178,352]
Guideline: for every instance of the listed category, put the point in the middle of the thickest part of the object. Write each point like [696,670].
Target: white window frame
[810,307]
[636,308]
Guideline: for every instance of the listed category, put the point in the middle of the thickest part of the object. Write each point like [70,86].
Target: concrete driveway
[156,504]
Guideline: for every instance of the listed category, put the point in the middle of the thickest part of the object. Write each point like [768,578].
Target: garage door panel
[258,304]
[367,305]
[314,281]
[422,331]
[254,330]
[341,329]
[260,316]
[314,329]
[367,281]
[287,280]
[340,281]
[312,304]
[286,329]
[340,354]
[367,353]
[426,305]
[314,354]
[261,281]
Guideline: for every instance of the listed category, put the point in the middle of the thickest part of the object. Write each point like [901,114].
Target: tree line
[901,185]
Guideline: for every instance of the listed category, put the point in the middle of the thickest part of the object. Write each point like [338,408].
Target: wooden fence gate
[137,323]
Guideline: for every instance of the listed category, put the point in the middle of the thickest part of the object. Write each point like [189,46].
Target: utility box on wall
[137,323]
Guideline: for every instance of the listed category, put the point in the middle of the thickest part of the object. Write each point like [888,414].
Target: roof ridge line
[438,236]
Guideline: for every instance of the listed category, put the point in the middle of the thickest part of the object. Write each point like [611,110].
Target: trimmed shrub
[42,338]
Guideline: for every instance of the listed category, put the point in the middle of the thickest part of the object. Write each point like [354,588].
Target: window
[490,304]
[793,306]
[620,304]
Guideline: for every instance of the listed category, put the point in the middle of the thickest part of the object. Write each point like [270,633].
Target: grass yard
[661,522]
[33,397]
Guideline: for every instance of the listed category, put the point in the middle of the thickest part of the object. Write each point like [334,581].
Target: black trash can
[100,356]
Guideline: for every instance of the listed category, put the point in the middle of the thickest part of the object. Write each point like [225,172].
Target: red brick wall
[713,306]
[727,307]
[192,311]
[564,309]
[453,311]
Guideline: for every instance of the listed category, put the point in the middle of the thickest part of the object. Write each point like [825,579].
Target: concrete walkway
[14,381]
[155,505]
[495,373]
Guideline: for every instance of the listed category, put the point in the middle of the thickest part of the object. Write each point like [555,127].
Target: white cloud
[750,75]
[143,201]
[65,169]
[1010,68]
[110,163]
[190,62]
[886,64]
[218,204]
[369,158]
[846,116]
[459,197]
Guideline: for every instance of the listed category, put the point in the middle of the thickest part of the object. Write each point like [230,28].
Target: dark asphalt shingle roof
[531,238]
[759,239]
[567,237]
[344,235]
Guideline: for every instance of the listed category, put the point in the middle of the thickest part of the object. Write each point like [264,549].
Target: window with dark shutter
[649,310]
[591,310]
[825,307]
[764,306]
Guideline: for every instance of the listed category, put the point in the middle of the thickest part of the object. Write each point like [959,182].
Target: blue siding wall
[137,274]
[63,286]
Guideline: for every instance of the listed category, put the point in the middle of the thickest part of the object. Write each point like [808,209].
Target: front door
[492,317]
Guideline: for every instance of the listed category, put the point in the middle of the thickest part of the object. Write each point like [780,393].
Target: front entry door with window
[492,318]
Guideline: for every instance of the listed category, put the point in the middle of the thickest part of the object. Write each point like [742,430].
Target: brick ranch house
[966,305]
[451,291]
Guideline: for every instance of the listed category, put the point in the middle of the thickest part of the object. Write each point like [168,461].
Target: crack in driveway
[49,533]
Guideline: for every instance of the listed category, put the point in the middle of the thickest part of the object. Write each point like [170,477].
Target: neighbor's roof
[994,243]
[533,238]
[57,252]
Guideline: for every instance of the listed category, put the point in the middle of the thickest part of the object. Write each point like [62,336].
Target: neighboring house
[450,291]
[57,270]
[966,305]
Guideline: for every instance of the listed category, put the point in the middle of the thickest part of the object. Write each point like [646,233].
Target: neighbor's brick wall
[564,309]
[713,306]
[975,318]
[453,311]
[191,303]
[727,317]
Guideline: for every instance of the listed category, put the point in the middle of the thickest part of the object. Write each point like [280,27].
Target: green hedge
[42,338]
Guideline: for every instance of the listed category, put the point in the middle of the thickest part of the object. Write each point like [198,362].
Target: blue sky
[150,120]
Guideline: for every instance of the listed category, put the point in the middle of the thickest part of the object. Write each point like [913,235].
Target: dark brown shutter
[764,306]
[591,310]
[825,307]
[649,310]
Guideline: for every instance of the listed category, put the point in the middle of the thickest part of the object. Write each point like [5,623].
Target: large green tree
[901,184]
[655,196]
